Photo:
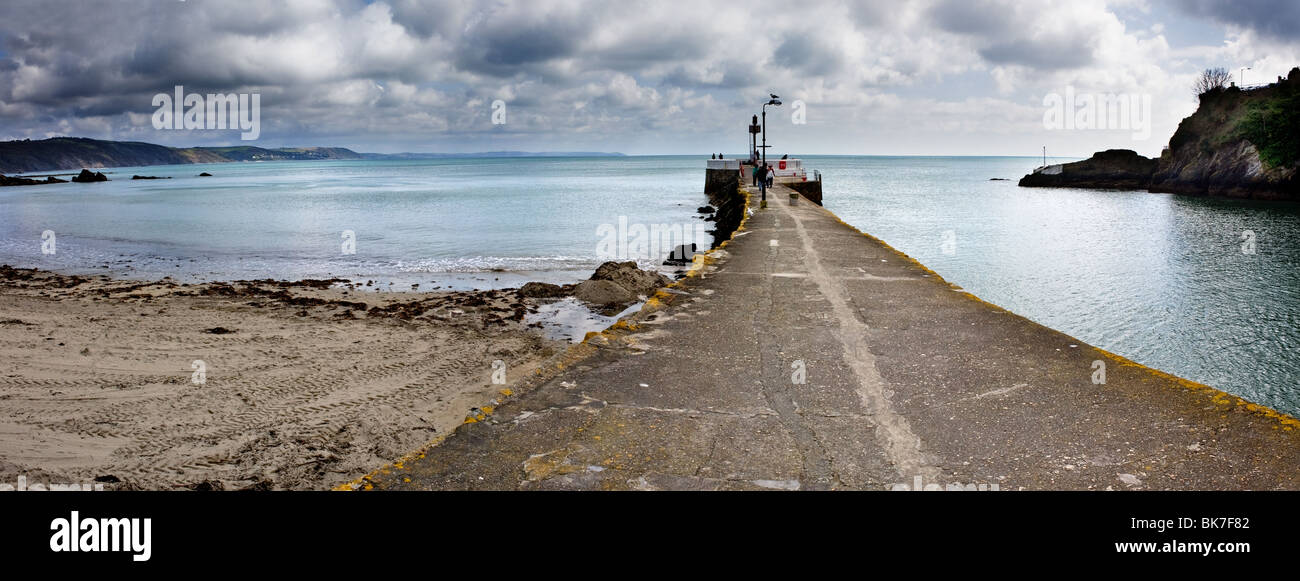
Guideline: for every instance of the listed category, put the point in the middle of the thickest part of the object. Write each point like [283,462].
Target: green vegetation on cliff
[1239,143]
[1273,125]
[1267,117]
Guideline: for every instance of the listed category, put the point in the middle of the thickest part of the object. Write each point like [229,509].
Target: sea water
[1207,289]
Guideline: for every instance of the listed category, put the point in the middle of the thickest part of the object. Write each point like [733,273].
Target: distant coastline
[73,153]
[483,154]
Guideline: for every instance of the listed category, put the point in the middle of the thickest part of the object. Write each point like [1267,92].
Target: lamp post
[1241,77]
[775,102]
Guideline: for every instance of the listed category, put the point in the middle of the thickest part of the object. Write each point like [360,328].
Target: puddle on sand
[568,319]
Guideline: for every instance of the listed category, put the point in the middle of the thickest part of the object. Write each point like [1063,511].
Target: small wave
[478,264]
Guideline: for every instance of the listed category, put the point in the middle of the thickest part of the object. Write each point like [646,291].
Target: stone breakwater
[804,354]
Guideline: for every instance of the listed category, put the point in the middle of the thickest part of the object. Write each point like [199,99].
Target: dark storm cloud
[741,73]
[866,14]
[976,17]
[505,44]
[1002,32]
[502,52]
[650,47]
[1279,19]
[105,106]
[55,58]
[805,53]
[1043,54]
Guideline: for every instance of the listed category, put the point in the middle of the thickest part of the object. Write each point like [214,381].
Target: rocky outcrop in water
[1119,169]
[15,181]
[86,177]
[682,255]
[612,286]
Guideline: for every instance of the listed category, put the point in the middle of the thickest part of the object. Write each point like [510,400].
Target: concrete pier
[804,354]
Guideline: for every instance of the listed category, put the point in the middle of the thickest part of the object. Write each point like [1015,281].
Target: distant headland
[1239,144]
[71,153]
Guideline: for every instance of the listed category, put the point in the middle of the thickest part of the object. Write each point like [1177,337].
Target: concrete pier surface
[806,355]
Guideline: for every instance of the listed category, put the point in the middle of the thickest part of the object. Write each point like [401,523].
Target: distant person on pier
[755,172]
[713,156]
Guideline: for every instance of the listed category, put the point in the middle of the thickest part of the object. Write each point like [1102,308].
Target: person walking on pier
[771,175]
[762,180]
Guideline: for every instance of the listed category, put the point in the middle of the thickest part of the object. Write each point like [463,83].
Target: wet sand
[306,384]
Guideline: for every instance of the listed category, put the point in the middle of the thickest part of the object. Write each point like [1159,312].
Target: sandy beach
[305,385]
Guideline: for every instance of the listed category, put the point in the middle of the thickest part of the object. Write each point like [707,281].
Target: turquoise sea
[1205,289]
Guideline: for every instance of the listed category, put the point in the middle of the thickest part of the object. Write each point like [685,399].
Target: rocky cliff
[1240,144]
[64,153]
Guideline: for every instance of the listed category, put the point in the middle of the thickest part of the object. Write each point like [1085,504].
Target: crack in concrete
[586,406]
[902,447]
[708,460]
[999,391]
[859,277]
[817,467]
[689,411]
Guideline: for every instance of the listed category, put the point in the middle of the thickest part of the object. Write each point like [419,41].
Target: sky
[923,77]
